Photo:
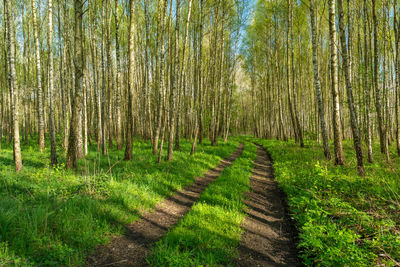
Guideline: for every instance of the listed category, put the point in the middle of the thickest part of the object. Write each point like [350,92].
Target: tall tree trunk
[149,115]
[396,24]
[221,79]
[84,119]
[61,77]
[353,113]
[110,77]
[73,143]
[378,105]
[161,21]
[131,81]
[367,89]
[162,95]
[118,78]
[12,83]
[3,101]
[212,70]
[296,115]
[97,94]
[103,78]
[289,76]
[25,69]
[53,155]
[39,79]
[196,78]
[317,82]
[175,84]
[180,77]
[201,84]
[337,133]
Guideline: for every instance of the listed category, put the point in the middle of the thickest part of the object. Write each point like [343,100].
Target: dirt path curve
[133,248]
[269,238]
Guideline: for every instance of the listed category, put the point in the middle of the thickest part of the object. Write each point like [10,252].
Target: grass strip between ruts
[210,233]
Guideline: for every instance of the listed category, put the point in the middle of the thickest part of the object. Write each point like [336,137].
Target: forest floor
[261,235]
[343,219]
[116,213]
[232,223]
[133,248]
[53,217]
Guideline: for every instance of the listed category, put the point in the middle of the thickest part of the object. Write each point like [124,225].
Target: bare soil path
[132,248]
[269,238]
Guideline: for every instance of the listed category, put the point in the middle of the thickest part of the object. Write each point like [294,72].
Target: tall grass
[51,216]
[343,219]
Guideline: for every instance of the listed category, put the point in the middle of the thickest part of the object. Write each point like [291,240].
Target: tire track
[269,237]
[134,247]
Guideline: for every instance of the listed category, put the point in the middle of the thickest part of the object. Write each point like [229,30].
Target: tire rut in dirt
[270,237]
[135,245]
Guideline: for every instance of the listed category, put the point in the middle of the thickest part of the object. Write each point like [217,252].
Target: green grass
[51,216]
[209,234]
[343,219]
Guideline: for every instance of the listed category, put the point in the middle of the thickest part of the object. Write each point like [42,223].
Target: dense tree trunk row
[355,88]
[166,69]
[118,70]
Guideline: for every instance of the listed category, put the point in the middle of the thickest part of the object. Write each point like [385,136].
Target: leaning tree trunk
[353,113]
[317,83]
[289,84]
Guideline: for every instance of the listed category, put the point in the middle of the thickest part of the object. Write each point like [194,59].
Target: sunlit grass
[343,219]
[51,216]
[209,234]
